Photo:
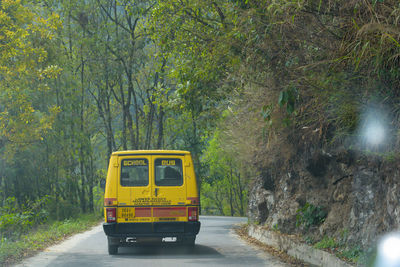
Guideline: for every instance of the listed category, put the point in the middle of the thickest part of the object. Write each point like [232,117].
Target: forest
[236,82]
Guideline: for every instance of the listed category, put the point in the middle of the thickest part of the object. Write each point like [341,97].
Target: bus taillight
[111,214]
[193,214]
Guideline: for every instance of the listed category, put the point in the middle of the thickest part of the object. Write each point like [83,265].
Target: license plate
[127,214]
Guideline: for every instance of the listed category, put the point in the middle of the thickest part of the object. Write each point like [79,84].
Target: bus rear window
[134,172]
[168,172]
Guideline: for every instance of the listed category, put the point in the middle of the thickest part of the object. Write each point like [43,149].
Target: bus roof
[151,152]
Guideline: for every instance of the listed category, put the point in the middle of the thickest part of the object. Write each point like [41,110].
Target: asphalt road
[216,245]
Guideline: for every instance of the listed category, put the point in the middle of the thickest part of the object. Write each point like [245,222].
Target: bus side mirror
[103,183]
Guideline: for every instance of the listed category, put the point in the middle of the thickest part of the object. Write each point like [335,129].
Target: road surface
[216,245]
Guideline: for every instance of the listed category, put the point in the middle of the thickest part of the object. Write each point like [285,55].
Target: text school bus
[150,195]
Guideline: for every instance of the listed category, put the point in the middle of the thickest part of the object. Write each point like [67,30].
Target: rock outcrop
[360,194]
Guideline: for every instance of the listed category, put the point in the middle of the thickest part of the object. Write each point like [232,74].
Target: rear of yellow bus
[150,195]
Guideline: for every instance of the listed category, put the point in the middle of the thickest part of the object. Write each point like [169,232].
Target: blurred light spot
[374,127]
[374,133]
[391,248]
[389,251]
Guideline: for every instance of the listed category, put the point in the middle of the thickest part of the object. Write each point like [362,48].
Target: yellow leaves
[54,110]
[9,34]
[18,54]
[24,72]
[21,68]
[5,4]
[54,21]
[50,72]
[21,123]
[3,16]
[46,27]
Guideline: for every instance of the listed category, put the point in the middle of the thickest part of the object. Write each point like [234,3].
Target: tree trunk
[90,183]
[160,129]
[82,154]
[241,198]
[230,191]
[131,92]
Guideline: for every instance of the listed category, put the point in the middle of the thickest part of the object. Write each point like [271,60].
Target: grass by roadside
[44,236]
[242,232]
[351,254]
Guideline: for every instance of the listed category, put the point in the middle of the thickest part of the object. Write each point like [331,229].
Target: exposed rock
[361,195]
[317,164]
[334,222]
[261,201]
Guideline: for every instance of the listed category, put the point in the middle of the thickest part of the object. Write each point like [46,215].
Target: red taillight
[193,214]
[111,214]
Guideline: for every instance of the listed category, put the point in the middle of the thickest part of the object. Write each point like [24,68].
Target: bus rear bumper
[156,229]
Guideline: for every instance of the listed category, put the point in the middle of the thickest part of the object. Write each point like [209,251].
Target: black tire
[112,246]
[112,249]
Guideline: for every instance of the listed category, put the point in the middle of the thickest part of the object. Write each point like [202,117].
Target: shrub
[327,243]
[12,220]
[15,220]
[351,253]
[310,215]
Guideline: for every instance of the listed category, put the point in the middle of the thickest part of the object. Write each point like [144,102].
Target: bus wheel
[112,249]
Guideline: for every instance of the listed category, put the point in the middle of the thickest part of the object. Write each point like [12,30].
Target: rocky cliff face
[360,195]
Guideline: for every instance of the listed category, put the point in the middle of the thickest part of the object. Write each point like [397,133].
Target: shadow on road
[168,251]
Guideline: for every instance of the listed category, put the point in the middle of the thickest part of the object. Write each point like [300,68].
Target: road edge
[240,231]
[66,243]
[294,248]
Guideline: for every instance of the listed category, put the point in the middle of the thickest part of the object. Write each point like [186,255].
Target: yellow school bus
[150,195]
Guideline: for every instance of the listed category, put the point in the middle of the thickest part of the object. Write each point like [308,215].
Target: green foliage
[15,221]
[310,215]
[25,72]
[98,200]
[63,209]
[197,35]
[288,98]
[309,240]
[223,189]
[352,254]
[340,249]
[327,243]
[190,75]
[43,236]
[266,113]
